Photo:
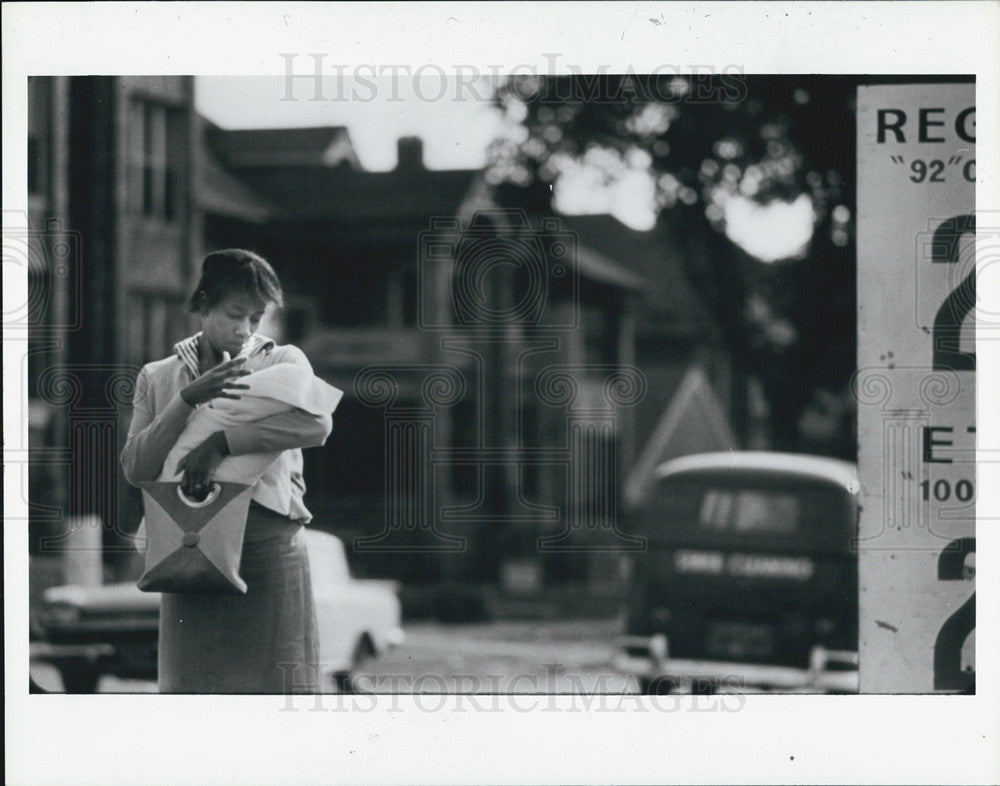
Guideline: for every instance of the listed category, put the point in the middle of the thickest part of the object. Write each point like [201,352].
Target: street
[505,657]
[502,657]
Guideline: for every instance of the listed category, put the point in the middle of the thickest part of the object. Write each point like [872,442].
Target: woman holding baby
[266,640]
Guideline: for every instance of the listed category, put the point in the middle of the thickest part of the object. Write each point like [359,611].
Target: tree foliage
[687,153]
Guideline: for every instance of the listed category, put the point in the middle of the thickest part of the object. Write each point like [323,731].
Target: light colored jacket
[159,416]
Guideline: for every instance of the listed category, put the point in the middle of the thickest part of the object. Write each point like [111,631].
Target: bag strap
[192,503]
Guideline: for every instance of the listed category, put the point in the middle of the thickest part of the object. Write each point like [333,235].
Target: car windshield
[741,508]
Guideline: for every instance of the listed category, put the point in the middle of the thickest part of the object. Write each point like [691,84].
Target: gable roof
[669,299]
[279,147]
[600,268]
[313,175]
[219,193]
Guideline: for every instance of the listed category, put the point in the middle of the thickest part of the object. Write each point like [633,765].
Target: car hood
[122,597]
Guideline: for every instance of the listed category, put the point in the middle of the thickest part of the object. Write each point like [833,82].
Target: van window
[747,508]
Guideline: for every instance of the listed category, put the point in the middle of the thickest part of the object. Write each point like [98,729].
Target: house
[404,279]
[345,244]
[501,367]
[675,330]
[114,240]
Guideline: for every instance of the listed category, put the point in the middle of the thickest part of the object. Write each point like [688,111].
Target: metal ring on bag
[216,490]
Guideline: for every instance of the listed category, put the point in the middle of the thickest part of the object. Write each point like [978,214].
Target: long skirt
[265,641]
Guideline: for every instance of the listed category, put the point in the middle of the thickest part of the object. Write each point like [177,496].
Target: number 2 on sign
[948,672]
[947,355]
[959,302]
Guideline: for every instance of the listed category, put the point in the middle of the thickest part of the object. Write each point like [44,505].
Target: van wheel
[80,678]
[364,652]
[657,686]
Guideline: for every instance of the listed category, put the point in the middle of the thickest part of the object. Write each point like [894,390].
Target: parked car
[749,580]
[87,632]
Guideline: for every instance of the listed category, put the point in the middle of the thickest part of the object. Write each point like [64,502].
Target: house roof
[694,421]
[668,296]
[591,263]
[279,147]
[598,267]
[218,193]
[314,175]
[670,304]
[317,193]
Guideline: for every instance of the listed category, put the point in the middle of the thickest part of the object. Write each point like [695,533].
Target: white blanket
[278,388]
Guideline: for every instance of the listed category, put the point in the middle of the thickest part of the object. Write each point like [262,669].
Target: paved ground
[502,657]
[505,657]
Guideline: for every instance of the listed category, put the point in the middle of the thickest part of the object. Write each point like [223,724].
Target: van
[749,579]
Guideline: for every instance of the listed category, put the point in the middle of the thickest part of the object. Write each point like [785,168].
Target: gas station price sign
[915,386]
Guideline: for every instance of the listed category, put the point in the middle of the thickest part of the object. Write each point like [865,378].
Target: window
[156,152]
[154,323]
[736,509]
[39,96]
[747,510]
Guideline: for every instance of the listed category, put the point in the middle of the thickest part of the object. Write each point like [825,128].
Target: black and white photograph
[414,396]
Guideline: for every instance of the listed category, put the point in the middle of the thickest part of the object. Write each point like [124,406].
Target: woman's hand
[200,464]
[215,382]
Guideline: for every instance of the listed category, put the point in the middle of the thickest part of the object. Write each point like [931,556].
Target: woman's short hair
[235,270]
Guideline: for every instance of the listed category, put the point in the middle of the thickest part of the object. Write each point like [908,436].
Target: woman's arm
[285,430]
[151,436]
[296,428]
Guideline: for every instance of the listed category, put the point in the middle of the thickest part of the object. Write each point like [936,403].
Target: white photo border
[176,739]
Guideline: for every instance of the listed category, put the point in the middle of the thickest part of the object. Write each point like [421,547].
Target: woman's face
[228,324]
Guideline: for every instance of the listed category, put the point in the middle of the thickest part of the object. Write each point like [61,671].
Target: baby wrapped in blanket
[277,388]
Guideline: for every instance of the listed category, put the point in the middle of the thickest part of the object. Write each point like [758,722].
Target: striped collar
[187,350]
